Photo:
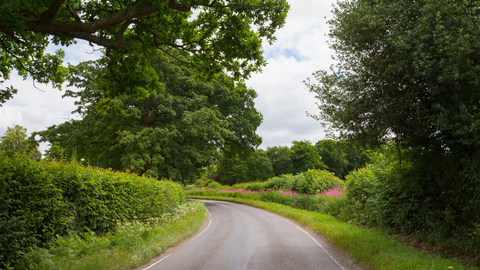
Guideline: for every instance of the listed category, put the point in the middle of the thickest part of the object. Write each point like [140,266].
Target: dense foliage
[173,134]
[408,72]
[342,157]
[281,159]
[379,196]
[16,141]
[305,157]
[235,168]
[41,200]
[221,34]
[311,182]
[339,157]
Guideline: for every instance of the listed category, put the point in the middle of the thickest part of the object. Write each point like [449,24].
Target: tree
[173,134]
[55,152]
[221,34]
[305,157]
[406,72]
[234,168]
[342,156]
[357,155]
[281,159]
[409,72]
[15,141]
[333,155]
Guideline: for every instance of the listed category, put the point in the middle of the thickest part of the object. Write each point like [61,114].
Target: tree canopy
[221,34]
[408,73]
[234,168]
[172,134]
[281,159]
[333,155]
[15,141]
[304,157]
[342,157]
[407,70]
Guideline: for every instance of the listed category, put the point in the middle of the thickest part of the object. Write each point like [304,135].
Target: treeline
[339,157]
[43,200]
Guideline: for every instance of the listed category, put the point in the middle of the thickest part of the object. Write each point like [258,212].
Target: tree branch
[178,6]
[105,42]
[72,12]
[49,15]
[24,10]
[85,31]
[66,27]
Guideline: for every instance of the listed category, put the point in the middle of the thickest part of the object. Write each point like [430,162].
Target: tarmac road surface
[237,236]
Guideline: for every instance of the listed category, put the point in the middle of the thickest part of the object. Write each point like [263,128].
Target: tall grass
[130,246]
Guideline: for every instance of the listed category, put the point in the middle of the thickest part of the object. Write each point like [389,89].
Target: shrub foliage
[41,200]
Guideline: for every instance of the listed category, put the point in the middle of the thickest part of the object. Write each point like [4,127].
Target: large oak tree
[172,134]
[221,34]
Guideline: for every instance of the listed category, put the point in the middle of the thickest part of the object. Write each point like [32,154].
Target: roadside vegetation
[370,248]
[54,212]
[405,85]
[131,245]
[368,202]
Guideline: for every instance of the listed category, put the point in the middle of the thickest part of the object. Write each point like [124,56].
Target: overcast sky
[283,99]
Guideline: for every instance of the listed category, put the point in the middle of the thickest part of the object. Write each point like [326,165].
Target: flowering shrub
[334,192]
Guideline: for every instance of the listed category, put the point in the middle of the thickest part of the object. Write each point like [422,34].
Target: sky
[300,49]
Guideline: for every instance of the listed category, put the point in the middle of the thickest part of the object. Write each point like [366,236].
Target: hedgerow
[42,200]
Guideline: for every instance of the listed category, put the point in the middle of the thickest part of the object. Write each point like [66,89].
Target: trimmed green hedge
[41,200]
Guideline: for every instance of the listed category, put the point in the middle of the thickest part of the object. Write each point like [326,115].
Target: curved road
[237,236]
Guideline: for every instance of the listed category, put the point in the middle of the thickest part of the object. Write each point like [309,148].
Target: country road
[238,236]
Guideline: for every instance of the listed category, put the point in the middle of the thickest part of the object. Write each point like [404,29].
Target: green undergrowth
[130,246]
[369,247]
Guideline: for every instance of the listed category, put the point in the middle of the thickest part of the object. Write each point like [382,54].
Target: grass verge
[369,247]
[131,246]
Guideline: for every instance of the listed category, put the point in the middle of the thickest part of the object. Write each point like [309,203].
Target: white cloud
[300,50]
[34,109]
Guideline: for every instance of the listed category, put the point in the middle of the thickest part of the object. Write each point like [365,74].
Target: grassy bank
[132,245]
[368,246]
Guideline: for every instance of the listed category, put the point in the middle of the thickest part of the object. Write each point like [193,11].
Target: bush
[359,190]
[359,185]
[315,181]
[43,200]
[253,186]
[283,182]
[379,195]
[213,184]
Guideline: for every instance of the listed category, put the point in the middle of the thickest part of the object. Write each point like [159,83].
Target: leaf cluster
[220,34]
